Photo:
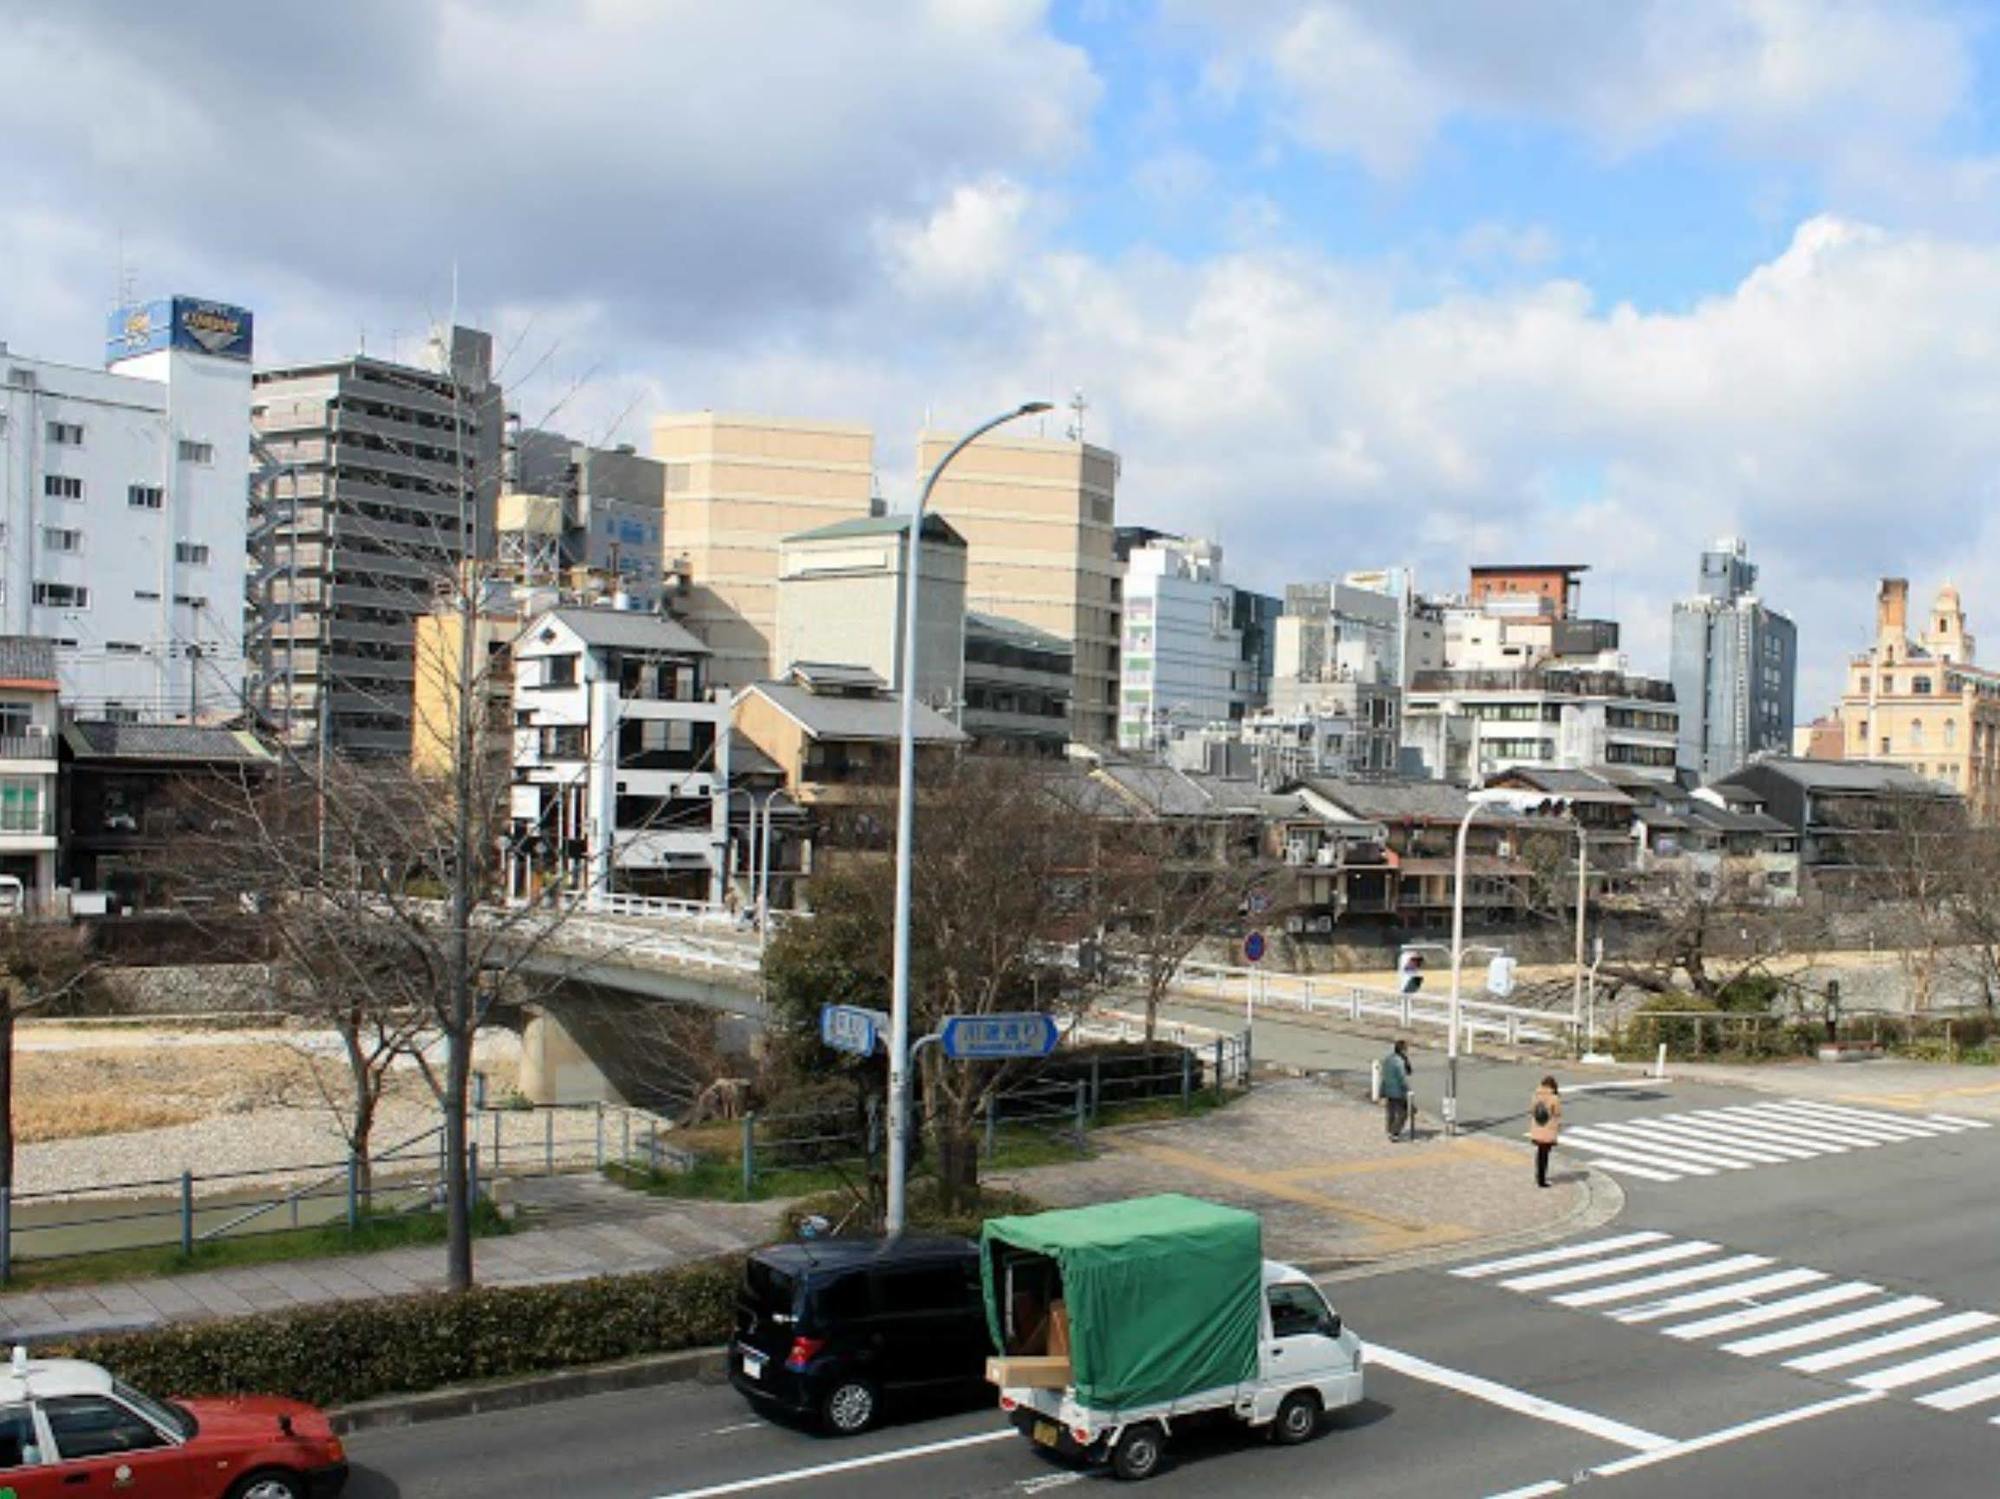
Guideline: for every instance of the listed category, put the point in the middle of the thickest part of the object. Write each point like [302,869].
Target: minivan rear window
[840,1298]
[769,1287]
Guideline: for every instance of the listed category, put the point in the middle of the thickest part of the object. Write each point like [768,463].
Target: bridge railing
[1322,995]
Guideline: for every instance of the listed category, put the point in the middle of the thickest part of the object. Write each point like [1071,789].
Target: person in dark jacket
[1396,1088]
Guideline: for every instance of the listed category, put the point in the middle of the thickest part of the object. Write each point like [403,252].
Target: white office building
[124,510]
[621,760]
[1181,662]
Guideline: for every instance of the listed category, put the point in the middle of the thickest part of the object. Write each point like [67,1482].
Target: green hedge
[337,1354]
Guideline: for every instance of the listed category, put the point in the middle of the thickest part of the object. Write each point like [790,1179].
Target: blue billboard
[188,323]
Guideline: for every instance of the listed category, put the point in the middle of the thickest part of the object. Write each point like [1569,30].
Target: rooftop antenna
[1077,406]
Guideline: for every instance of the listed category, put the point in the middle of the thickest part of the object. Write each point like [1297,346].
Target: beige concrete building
[1921,703]
[840,601]
[736,486]
[1037,515]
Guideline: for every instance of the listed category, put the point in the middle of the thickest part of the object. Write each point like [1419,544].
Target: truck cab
[1303,1347]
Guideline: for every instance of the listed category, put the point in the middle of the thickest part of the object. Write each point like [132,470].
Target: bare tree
[1000,882]
[1918,858]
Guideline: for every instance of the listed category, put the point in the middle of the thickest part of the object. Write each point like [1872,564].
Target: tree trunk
[957,1163]
[360,1141]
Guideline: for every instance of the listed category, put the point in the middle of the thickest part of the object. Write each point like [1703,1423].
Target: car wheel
[850,1407]
[1297,1419]
[270,1484]
[1139,1451]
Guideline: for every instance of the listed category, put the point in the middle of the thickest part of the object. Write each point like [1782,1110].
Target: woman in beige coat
[1544,1124]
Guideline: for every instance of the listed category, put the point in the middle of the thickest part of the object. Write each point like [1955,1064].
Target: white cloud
[1840,84]
[967,245]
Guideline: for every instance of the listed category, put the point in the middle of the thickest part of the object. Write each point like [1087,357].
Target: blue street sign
[851,1028]
[1253,947]
[992,1038]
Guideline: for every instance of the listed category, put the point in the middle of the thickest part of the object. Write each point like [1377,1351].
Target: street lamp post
[1582,902]
[906,820]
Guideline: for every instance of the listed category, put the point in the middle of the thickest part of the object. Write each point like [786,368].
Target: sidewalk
[595,1229]
[1331,1189]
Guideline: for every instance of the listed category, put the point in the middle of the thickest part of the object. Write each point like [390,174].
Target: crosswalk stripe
[1889,1129]
[1738,1292]
[1727,1130]
[1648,1159]
[1907,1128]
[1770,1114]
[1691,1137]
[1890,1342]
[1774,1311]
[1557,1256]
[1664,1281]
[1831,1327]
[1644,1173]
[1958,1397]
[1917,1123]
[1648,1152]
[1790,1131]
[1961,1122]
[1985,1351]
[1569,1273]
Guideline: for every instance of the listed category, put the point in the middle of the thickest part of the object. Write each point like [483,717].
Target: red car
[68,1429]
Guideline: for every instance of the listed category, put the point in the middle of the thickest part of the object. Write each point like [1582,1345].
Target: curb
[703,1364]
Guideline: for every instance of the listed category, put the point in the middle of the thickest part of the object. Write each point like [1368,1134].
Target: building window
[194,553]
[559,671]
[15,719]
[62,596]
[62,486]
[145,596]
[119,713]
[192,600]
[124,648]
[61,539]
[197,452]
[1916,733]
[145,496]
[66,434]
[1951,733]
[1885,744]
[1921,686]
[22,805]
[564,742]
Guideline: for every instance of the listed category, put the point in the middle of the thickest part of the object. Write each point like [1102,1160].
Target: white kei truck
[1121,1320]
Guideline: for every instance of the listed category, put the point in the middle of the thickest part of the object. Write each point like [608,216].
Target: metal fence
[1517,1025]
[193,1209]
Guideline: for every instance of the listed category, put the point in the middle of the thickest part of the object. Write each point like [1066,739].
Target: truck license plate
[753,1365]
[1047,1434]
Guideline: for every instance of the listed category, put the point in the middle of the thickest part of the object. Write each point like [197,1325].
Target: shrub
[922,1209]
[334,1355]
[1752,994]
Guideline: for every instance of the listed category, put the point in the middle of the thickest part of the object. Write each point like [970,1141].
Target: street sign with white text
[993,1038]
[851,1028]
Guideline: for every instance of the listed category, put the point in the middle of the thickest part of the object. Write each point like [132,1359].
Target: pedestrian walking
[1545,1114]
[1396,1088]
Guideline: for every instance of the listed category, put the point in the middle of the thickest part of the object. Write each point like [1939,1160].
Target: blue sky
[1345,282]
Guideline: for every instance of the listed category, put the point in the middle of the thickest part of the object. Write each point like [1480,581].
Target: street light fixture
[906,820]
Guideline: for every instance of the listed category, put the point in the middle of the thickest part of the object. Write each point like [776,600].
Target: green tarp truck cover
[1162,1292]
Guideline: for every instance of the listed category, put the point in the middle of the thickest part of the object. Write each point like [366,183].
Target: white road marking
[1948,1362]
[1962,1123]
[1735,1433]
[1627,1168]
[845,1465]
[1831,1327]
[1888,1129]
[1664,1281]
[1651,1133]
[1652,1152]
[1890,1342]
[1741,1293]
[723,1431]
[1958,1397]
[1050,1481]
[1666,1254]
[1533,1490]
[1796,1136]
[1698,1134]
[1774,1311]
[1915,1123]
[1556,1256]
[1769,1114]
[1508,1398]
[1728,1132]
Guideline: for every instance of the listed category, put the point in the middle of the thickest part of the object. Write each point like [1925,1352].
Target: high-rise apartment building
[123,515]
[736,487]
[380,480]
[1037,515]
[1181,656]
[1735,667]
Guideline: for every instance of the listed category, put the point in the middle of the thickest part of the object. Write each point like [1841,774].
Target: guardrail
[1320,995]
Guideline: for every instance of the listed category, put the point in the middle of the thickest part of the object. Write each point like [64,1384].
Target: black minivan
[831,1328]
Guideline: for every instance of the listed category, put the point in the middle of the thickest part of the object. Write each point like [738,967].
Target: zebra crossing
[1742,1137]
[1748,1305]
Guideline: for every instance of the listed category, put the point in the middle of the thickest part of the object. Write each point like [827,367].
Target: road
[1649,1356]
